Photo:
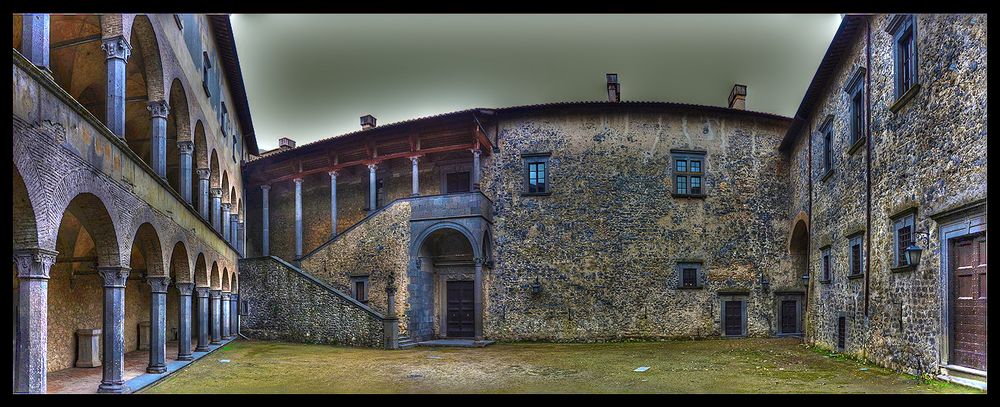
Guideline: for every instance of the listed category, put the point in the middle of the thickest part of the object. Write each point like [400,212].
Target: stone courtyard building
[859,224]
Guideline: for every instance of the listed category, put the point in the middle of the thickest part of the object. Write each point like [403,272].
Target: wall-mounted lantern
[913,251]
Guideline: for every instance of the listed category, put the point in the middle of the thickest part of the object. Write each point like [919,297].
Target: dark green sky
[312,76]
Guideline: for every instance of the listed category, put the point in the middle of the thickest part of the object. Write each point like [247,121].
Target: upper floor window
[902,231]
[825,265]
[224,120]
[536,174]
[689,173]
[856,108]
[856,254]
[827,131]
[689,275]
[904,48]
[206,64]
[235,146]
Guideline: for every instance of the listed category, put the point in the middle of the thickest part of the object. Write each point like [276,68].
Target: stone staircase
[964,376]
[405,342]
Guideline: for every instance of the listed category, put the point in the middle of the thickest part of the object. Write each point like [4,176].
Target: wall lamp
[913,251]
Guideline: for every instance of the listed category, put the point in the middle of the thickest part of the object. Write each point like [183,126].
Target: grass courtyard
[704,366]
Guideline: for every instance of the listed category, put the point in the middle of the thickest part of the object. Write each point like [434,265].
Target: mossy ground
[703,366]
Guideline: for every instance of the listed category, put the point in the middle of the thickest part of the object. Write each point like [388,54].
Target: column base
[200,348]
[120,388]
[156,369]
[185,357]
[214,342]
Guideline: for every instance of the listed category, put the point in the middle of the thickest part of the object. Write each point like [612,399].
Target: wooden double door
[461,309]
[968,308]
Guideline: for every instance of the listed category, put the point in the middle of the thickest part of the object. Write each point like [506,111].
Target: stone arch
[235,286]
[25,226]
[87,213]
[233,199]
[446,253]
[142,38]
[419,241]
[225,279]
[215,180]
[798,239]
[225,186]
[147,252]
[144,87]
[200,147]
[180,264]
[80,69]
[215,280]
[178,130]
[201,277]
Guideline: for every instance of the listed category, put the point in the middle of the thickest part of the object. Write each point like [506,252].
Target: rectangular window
[902,238]
[224,120]
[902,29]
[841,333]
[536,178]
[689,275]
[828,150]
[688,173]
[856,107]
[825,265]
[359,289]
[857,255]
[457,182]
[205,66]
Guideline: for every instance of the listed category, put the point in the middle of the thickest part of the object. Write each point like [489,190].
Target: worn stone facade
[929,156]
[286,305]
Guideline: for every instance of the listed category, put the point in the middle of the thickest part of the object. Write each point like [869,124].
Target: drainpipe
[809,283]
[868,156]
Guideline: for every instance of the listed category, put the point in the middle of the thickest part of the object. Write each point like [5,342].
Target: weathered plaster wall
[605,244]
[287,306]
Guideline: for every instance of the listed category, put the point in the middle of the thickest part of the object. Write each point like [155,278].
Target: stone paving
[78,380]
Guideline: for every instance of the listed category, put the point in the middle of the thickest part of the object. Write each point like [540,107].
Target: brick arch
[180,264]
[215,278]
[201,149]
[225,279]
[74,183]
[214,180]
[178,130]
[80,70]
[142,38]
[235,286]
[201,277]
[798,237]
[147,244]
[225,186]
[25,224]
[95,218]
[116,24]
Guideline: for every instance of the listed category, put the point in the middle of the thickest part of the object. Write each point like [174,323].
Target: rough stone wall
[356,253]
[930,155]
[605,244]
[285,305]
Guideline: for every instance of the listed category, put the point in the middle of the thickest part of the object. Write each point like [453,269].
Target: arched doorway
[443,288]
[791,304]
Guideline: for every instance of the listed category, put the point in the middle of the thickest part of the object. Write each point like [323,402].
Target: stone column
[31,355]
[242,241]
[35,39]
[371,187]
[113,380]
[203,174]
[475,169]
[184,321]
[234,315]
[298,218]
[216,204]
[416,176]
[477,298]
[234,230]
[214,299]
[333,204]
[224,307]
[158,321]
[265,249]
[203,313]
[117,51]
[158,112]
[187,151]
[224,222]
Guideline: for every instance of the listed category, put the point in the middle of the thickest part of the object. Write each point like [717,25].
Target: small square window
[682,165]
[536,181]
[688,173]
[689,275]
[695,166]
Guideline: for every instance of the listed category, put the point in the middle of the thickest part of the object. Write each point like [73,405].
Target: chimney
[285,143]
[738,97]
[367,122]
[614,90]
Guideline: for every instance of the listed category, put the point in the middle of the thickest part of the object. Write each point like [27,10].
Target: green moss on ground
[704,366]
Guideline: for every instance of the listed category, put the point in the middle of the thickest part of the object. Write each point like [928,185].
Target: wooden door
[734,318]
[789,316]
[969,302]
[461,308]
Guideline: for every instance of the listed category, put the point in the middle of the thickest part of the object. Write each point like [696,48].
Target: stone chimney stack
[285,142]
[367,122]
[614,89]
[738,97]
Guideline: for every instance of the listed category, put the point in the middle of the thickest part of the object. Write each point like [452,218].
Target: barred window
[688,173]
[857,255]
[689,275]
[903,238]
[825,265]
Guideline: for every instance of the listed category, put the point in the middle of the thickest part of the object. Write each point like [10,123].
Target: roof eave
[223,30]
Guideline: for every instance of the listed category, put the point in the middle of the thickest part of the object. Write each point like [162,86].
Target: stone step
[964,375]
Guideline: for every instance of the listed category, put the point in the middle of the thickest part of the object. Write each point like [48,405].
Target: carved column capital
[216,192]
[185,288]
[476,152]
[333,174]
[159,108]
[225,295]
[226,206]
[266,187]
[158,284]
[116,48]
[204,173]
[202,292]
[34,263]
[214,293]
[372,167]
[186,147]
[414,159]
[298,181]
[479,261]
[114,276]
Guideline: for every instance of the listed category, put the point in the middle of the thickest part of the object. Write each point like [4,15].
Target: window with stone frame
[856,108]
[536,174]
[825,265]
[206,64]
[827,131]
[688,173]
[224,120]
[902,237]
[856,254]
[689,275]
[902,28]
[359,289]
